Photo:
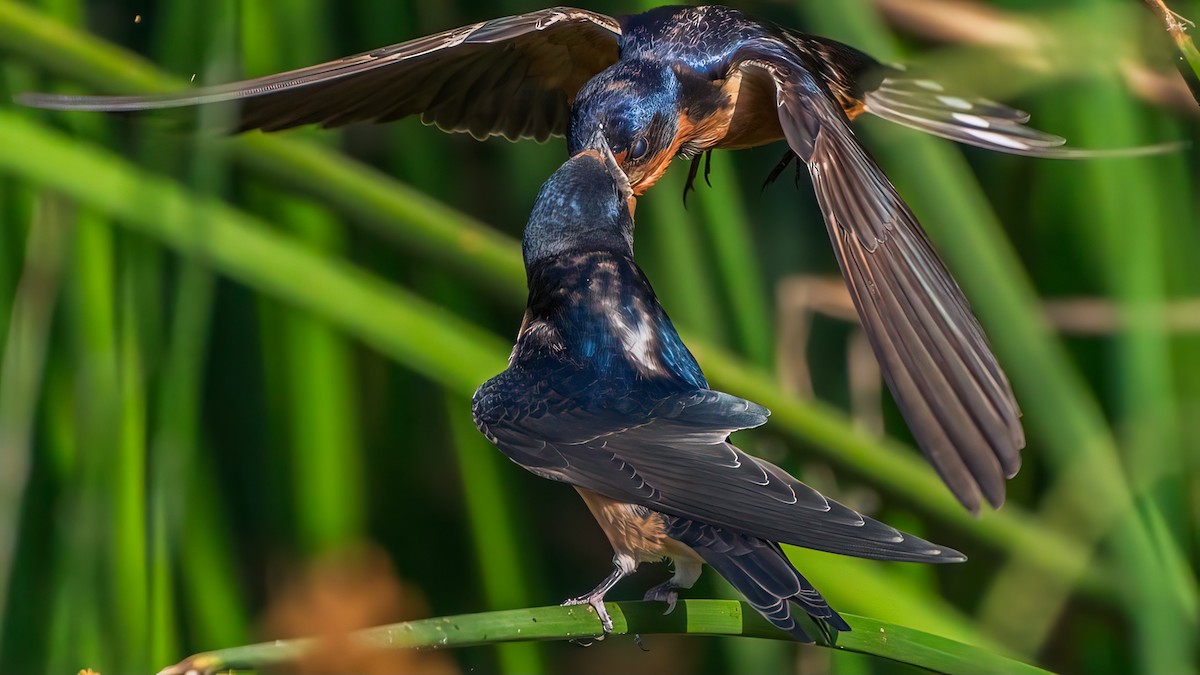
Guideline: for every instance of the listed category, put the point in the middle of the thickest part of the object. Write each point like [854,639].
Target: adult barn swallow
[601,393]
[680,81]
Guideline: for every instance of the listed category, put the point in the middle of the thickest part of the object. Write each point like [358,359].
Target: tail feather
[927,106]
[761,572]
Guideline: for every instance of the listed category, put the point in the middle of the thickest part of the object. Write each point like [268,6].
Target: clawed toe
[663,593]
[597,604]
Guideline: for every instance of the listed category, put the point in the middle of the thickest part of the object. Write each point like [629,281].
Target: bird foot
[597,603]
[664,592]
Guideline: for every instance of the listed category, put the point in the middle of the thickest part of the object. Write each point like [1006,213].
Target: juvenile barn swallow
[682,81]
[601,393]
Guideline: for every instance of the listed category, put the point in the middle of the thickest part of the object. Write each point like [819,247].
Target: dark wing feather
[674,457]
[926,105]
[514,76]
[932,351]
[761,572]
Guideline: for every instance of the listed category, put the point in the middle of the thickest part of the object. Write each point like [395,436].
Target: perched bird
[681,81]
[600,393]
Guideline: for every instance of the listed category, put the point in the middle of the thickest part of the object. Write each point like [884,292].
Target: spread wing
[514,76]
[674,457]
[932,351]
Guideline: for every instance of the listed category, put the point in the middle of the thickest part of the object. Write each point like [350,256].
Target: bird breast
[634,530]
[753,117]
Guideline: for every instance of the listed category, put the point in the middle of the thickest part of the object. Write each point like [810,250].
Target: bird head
[634,105]
[586,205]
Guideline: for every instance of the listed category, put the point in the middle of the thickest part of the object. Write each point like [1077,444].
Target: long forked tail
[927,106]
[761,572]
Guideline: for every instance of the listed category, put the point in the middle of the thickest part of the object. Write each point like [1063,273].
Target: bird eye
[639,149]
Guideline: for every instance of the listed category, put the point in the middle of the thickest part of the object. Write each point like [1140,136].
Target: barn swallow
[680,82]
[601,393]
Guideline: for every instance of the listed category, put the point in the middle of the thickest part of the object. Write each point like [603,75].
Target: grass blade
[21,372]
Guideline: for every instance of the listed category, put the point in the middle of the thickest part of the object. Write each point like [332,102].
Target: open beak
[599,145]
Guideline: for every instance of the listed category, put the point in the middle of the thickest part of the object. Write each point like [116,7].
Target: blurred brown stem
[1177,29]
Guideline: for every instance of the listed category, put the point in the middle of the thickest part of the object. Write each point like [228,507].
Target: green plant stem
[211,590]
[1176,27]
[677,261]
[435,342]
[21,373]
[492,518]
[691,617]
[125,486]
[733,245]
[429,227]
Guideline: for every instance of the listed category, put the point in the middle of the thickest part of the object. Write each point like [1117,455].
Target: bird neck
[597,311]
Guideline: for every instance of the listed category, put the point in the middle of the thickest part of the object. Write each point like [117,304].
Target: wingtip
[966,490]
[939,554]
[49,101]
[949,555]
[28,99]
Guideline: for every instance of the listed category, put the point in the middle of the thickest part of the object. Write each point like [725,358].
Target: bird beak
[599,145]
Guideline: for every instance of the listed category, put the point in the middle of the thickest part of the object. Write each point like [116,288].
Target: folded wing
[674,457]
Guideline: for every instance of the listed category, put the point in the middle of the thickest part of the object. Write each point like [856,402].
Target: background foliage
[222,360]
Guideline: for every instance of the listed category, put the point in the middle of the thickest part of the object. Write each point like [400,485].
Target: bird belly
[635,531]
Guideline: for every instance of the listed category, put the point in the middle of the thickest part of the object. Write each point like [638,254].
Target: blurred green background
[222,360]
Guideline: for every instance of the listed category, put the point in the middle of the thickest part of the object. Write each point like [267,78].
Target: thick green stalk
[691,617]
[745,289]
[128,540]
[84,550]
[21,373]
[432,340]
[212,592]
[492,520]
[315,364]
[1119,193]
[673,256]
[1189,57]
[173,442]
[429,227]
